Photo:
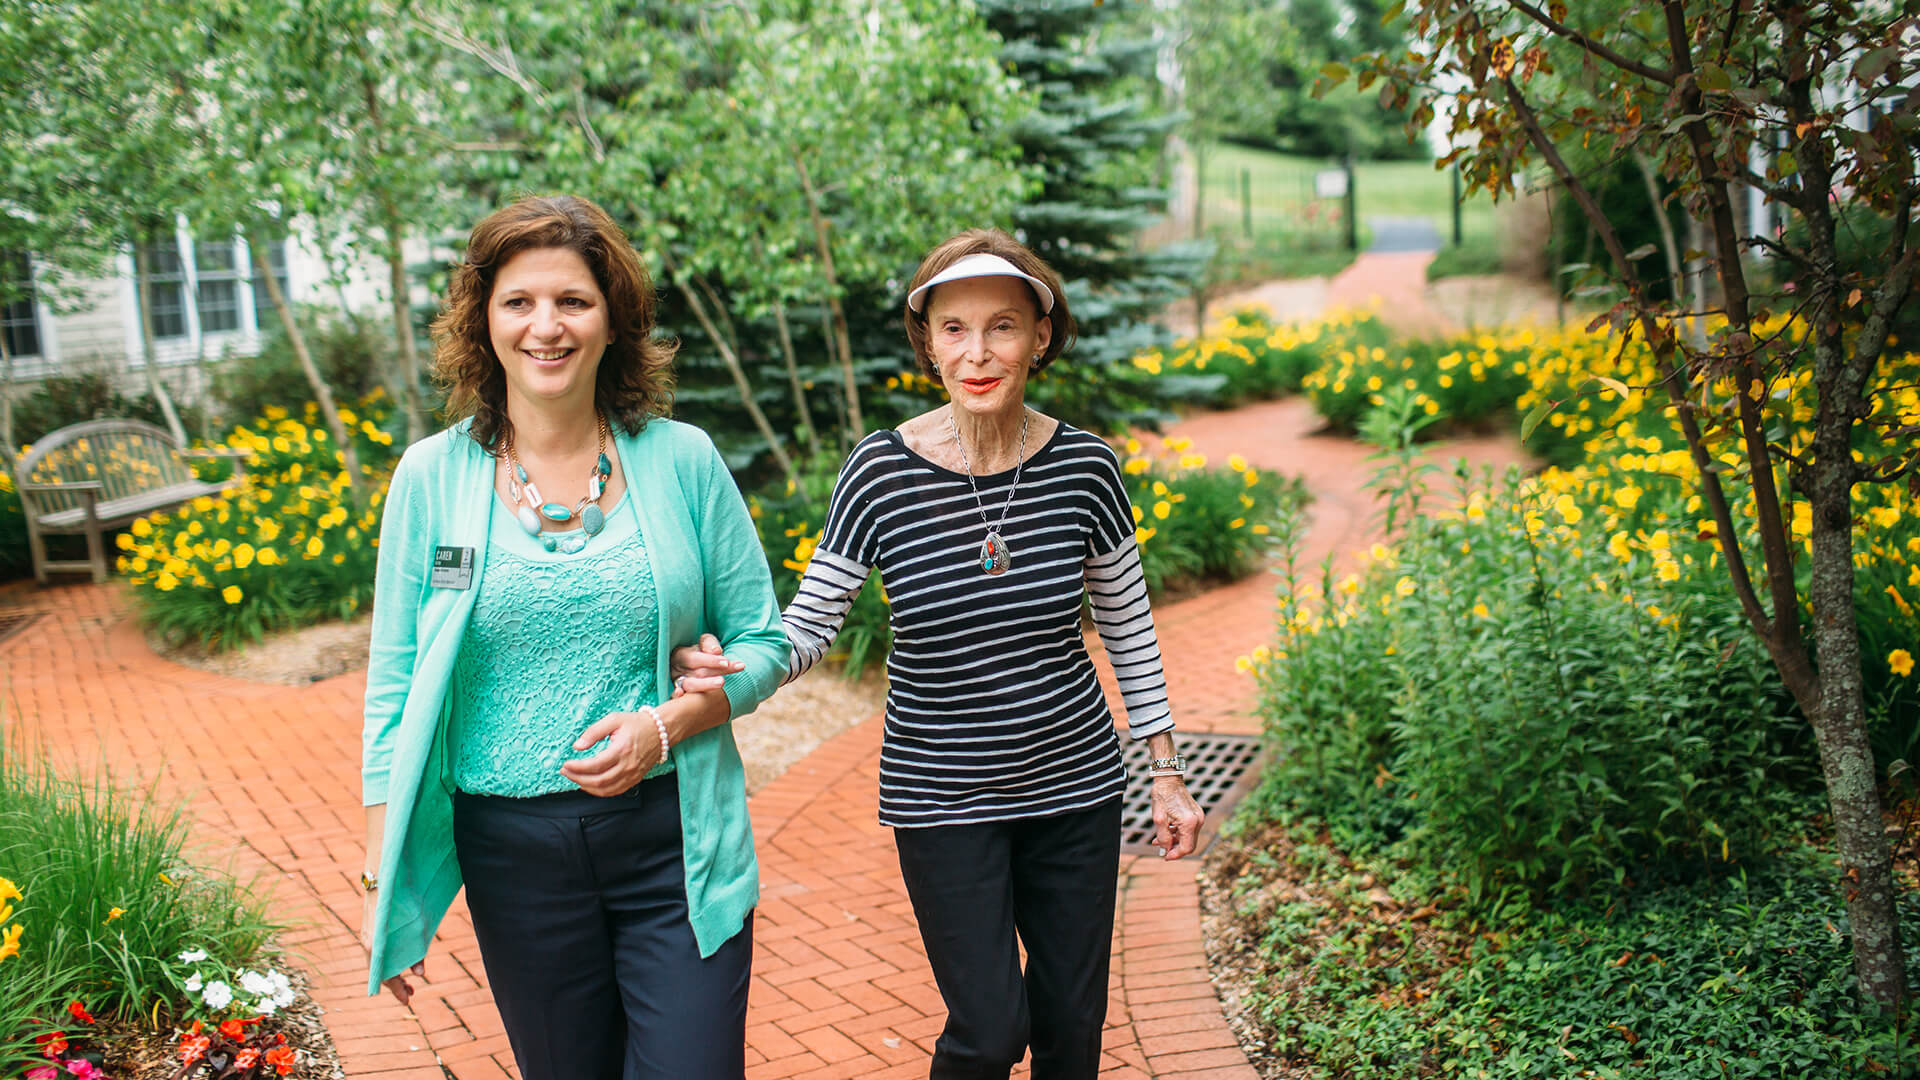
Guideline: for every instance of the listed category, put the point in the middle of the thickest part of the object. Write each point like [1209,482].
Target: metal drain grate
[1219,772]
[12,622]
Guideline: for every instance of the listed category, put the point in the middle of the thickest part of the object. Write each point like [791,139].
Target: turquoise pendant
[994,557]
[548,542]
[604,467]
[528,519]
[592,519]
[574,543]
[556,512]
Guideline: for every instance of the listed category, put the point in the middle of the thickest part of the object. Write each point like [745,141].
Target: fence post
[1246,202]
[1455,174]
[1353,204]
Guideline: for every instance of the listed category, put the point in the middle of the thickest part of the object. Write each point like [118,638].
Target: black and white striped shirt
[994,710]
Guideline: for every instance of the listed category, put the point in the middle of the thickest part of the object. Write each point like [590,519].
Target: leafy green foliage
[1521,705]
[1370,966]
[109,896]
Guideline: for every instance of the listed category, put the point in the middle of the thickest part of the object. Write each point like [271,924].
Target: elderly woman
[536,561]
[1000,770]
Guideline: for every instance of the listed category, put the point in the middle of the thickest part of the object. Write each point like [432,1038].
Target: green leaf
[1614,385]
[1713,78]
[1641,252]
[1534,416]
[1868,69]
[1334,70]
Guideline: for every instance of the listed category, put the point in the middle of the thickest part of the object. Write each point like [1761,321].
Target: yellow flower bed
[291,546]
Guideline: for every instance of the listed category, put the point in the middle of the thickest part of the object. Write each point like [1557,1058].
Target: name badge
[452,568]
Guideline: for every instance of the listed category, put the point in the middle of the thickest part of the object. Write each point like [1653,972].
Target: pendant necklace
[995,559]
[532,507]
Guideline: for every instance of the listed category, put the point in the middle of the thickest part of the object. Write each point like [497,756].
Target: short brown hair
[635,379]
[991,242]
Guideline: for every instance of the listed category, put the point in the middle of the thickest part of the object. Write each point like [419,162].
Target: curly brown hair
[991,242]
[635,379]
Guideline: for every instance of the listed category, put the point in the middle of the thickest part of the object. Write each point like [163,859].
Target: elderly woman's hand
[1176,817]
[698,669]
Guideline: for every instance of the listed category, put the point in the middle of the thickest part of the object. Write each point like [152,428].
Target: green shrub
[1466,381]
[350,355]
[1248,357]
[108,899]
[1478,255]
[62,400]
[1531,705]
[1198,523]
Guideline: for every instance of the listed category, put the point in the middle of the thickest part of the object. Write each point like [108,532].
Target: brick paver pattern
[840,987]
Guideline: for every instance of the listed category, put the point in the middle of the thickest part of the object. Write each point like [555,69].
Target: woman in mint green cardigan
[537,562]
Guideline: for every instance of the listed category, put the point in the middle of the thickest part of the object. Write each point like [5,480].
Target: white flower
[282,989]
[193,984]
[218,995]
[256,984]
[193,956]
[264,1006]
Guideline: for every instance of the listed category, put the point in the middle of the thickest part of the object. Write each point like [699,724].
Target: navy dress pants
[1051,881]
[580,907]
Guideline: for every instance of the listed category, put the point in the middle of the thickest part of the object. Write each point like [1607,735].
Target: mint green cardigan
[711,578]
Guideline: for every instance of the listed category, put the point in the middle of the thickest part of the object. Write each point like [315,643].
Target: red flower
[237,1029]
[52,1044]
[281,1058]
[194,1046]
[79,1012]
[246,1059]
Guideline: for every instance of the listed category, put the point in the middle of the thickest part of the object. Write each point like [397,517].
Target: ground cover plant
[112,930]
[1374,966]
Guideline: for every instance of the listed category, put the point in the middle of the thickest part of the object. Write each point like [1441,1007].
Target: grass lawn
[1282,188]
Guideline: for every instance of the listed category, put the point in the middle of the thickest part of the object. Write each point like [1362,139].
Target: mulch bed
[135,1052]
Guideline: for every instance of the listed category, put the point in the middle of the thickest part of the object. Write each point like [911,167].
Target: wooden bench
[91,477]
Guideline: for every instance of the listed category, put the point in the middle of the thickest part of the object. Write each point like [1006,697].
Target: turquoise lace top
[556,642]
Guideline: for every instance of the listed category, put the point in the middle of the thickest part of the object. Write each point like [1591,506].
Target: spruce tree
[1096,140]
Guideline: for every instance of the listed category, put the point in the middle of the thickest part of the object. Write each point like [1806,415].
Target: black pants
[1049,879]
[580,907]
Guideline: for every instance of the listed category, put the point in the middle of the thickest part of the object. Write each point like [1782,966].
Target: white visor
[981,265]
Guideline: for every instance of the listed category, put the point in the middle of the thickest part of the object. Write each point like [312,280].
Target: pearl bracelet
[660,726]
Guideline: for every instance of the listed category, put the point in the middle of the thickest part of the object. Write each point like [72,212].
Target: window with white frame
[20,316]
[217,286]
[167,290]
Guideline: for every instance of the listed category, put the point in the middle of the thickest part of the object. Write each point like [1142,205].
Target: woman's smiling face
[982,333]
[548,322]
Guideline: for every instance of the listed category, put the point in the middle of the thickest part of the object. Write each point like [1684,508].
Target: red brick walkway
[841,986]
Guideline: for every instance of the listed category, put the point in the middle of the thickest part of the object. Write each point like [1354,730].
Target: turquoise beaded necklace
[532,507]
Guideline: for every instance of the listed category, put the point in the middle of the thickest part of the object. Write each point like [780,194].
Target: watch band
[1161,765]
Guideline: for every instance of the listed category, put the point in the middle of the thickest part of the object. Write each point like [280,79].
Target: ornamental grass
[106,915]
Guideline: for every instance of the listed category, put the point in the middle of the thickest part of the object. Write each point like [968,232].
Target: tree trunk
[805,414]
[740,383]
[403,333]
[824,244]
[397,279]
[1668,245]
[6,405]
[1200,233]
[322,393]
[143,274]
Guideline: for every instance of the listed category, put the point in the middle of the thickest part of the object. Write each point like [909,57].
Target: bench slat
[126,508]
